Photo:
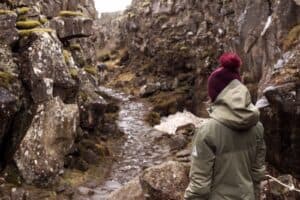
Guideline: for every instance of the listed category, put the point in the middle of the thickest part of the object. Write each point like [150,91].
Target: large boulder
[131,191]
[43,67]
[50,137]
[72,27]
[91,104]
[167,181]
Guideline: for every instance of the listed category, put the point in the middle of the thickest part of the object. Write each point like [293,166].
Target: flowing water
[138,149]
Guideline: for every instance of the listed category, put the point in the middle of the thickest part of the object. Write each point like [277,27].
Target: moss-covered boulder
[40,157]
[44,68]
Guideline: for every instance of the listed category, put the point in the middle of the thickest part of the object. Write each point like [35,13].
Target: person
[228,155]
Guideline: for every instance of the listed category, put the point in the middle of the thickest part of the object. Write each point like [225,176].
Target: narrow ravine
[138,149]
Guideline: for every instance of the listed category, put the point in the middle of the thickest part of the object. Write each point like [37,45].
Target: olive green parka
[228,156]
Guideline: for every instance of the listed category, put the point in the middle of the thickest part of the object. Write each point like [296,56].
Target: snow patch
[172,122]
[282,61]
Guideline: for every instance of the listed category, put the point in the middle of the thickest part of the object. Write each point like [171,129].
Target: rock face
[8,29]
[40,157]
[75,27]
[47,59]
[181,40]
[40,71]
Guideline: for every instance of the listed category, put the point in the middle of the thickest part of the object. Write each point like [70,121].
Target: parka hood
[233,107]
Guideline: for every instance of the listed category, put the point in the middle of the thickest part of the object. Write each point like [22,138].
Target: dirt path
[138,150]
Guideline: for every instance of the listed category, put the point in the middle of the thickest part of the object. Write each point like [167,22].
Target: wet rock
[297,2]
[40,157]
[278,191]
[183,153]
[131,191]
[149,89]
[72,27]
[18,194]
[91,105]
[42,74]
[178,142]
[167,181]
[187,130]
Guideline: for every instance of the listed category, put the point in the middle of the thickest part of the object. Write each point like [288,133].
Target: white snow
[285,59]
[172,122]
[268,24]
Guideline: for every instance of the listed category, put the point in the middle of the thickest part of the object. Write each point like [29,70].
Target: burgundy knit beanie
[224,74]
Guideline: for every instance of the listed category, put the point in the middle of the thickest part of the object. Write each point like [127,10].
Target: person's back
[228,150]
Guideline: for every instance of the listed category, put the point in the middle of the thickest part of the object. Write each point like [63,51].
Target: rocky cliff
[48,80]
[173,45]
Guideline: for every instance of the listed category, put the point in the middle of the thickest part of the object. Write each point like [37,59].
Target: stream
[138,150]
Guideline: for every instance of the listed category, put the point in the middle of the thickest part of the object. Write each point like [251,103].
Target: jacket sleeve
[201,171]
[259,168]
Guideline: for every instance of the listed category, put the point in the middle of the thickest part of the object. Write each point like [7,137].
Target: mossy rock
[22,18]
[74,73]
[5,12]
[84,97]
[29,24]
[91,70]
[67,13]
[43,20]
[130,15]
[146,4]
[67,56]
[292,37]
[76,47]
[153,118]
[6,79]
[28,32]
[12,175]
[23,10]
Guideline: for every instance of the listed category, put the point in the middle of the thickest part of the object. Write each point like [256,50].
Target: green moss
[83,96]
[28,32]
[91,70]
[67,56]
[29,24]
[43,20]
[74,73]
[13,175]
[5,12]
[6,79]
[292,37]
[75,47]
[22,18]
[146,4]
[67,13]
[23,10]
[130,15]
